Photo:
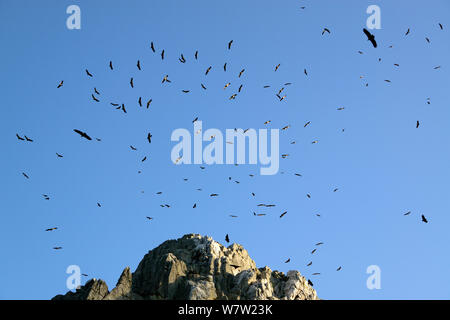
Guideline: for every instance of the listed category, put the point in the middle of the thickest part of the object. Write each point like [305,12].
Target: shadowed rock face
[198,268]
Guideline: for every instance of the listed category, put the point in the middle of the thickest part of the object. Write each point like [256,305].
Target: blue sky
[382,165]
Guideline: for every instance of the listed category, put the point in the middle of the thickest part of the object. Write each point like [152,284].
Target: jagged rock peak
[196,267]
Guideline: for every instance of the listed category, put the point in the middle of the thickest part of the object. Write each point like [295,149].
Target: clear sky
[382,164]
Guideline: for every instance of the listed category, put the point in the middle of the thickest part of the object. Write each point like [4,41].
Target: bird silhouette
[424,219]
[83,134]
[370,37]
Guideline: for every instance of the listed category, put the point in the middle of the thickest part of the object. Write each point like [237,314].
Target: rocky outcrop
[198,268]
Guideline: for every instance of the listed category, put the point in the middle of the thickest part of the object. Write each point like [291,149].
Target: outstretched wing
[366,32]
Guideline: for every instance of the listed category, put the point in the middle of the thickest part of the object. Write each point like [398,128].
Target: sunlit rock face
[196,267]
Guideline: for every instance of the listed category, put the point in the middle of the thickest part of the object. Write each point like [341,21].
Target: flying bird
[370,37]
[259,214]
[152,46]
[288,260]
[424,219]
[229,44]
[227,238]
[162,55]
[88,73]
[60,84]
[25,175]
[131,83]
[282,215]
[95,99]
[241,72]
[19,137]
[138,65]
[207,70]
[111,65]
[51,229]
[82,134]
[28,139]
[407,32]
[417,124]
[326,30]
[166,79]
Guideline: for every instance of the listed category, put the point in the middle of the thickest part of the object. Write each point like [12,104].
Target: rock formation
[198,268]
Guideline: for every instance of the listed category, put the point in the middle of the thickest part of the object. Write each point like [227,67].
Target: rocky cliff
[198,268]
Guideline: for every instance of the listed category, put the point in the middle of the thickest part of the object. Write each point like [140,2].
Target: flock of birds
[279,93]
